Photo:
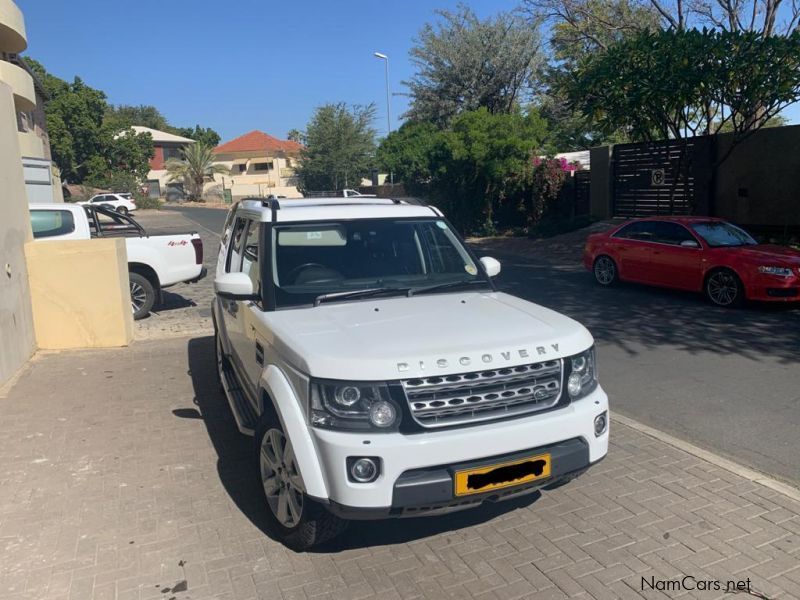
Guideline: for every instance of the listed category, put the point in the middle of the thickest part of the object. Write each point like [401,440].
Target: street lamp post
[385,60]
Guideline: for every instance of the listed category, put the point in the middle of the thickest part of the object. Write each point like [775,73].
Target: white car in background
[122,203]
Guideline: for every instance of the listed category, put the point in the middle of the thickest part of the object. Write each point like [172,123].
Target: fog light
[600,424]
[574,384]
[363,470]
[382,414]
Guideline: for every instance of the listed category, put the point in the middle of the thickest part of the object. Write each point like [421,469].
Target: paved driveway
[124,477]
[728,380]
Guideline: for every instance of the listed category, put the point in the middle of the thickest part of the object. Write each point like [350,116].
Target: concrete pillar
[601,185]
[17,338]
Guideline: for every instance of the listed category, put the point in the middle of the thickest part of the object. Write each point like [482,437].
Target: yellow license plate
[501,475]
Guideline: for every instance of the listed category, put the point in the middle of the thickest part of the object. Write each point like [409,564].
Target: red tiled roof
[257,141]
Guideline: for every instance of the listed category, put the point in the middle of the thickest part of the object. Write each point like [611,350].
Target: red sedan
[700,254]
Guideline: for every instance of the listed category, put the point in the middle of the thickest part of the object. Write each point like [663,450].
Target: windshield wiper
[444,286]
[365,293]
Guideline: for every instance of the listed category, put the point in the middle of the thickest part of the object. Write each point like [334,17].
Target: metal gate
[661,178]
[583,185]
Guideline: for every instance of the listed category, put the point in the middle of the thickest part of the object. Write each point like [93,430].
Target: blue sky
[241,65]
[234,66]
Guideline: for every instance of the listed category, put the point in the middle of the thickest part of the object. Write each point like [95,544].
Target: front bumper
[770,288]
[417,470]
[429,491]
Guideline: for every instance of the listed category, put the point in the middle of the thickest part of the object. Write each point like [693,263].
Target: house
[42,177]
[259,165]
[165,146]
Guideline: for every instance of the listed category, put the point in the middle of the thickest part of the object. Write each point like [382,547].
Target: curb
[715,459]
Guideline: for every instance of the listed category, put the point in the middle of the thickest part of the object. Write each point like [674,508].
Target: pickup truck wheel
[298,521]
[143,295]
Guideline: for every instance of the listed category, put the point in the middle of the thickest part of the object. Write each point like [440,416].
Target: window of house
[242,168]
[171,152]
[263,166]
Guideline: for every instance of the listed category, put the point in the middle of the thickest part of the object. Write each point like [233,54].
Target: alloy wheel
[281,479]
[723,289]
[138,297]
[604,270]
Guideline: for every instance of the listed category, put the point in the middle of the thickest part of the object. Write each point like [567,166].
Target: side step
[243,412]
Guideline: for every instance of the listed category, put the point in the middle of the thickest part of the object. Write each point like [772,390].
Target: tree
[464,63]
[676,84]
[339,147]
[478,170]
[204,135]
[125,116]
[295,135]
[595,24]
[411,154]
[194,168]
[84,146]
[123,163]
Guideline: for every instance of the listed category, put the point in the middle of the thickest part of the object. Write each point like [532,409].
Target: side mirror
[235,286]
[690,244]
[491,266]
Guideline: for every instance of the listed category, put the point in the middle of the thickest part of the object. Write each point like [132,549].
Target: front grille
[444,400]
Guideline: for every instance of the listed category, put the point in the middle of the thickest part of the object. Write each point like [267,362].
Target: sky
[241,65]
[235,66]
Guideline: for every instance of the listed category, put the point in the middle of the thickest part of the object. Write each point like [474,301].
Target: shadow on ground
[236,466]
[552,274]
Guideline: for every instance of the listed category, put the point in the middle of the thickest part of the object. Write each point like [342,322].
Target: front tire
[143,295]
[122,210]
[297,521]
[724,288]
[605,270]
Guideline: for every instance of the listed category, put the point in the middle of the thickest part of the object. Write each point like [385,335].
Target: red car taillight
[198,250]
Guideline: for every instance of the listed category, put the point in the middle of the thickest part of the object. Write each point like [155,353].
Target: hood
[398,338]
[771,254]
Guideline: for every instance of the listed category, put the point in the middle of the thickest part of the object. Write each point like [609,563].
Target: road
[726,380]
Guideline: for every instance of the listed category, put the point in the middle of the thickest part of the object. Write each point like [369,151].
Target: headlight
[779,271]
[353,406]
[582,378]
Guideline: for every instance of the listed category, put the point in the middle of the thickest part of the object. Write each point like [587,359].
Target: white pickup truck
[366,349]
[154,261]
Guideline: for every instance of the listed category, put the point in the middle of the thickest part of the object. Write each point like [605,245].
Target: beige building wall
[79,293]
[281,180]
[17,340]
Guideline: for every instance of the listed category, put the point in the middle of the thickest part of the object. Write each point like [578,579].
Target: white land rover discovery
[382,375]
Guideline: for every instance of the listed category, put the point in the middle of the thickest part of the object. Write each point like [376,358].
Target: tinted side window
[234,253]
[640,230]
[672,233]
[250,254]
[50,223]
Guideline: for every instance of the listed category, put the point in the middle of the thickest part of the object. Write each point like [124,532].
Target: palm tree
[194,168]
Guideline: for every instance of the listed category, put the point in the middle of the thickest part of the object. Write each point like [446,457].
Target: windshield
[719,233]
[311,260]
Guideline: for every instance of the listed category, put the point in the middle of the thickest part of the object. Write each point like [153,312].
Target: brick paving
[122,476]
